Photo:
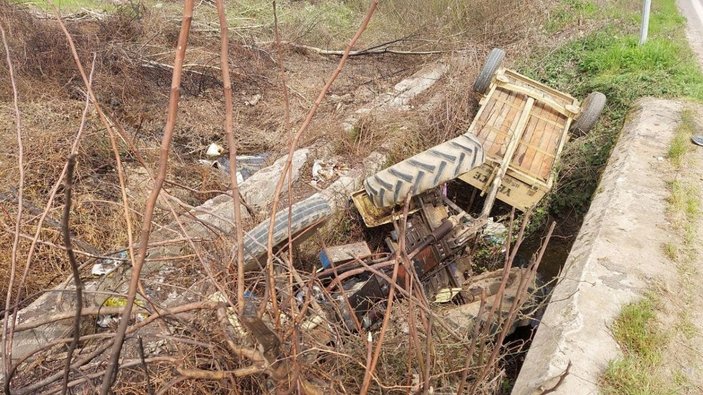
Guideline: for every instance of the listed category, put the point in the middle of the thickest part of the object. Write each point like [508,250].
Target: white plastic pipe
[645,21]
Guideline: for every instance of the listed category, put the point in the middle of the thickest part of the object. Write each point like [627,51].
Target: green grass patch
[671,251]
[642,341]
[685,208]
[636,332]
[681,143]
[609,60]
[69,6]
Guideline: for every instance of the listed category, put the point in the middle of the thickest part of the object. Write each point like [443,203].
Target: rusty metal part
[374,216]
[364,296]
[337,255]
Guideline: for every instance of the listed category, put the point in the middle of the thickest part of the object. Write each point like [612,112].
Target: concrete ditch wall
[617,255]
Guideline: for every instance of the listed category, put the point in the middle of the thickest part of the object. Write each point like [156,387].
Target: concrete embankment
[616,257]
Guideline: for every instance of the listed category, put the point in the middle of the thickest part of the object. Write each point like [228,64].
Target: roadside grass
[609,60]
[681,143]
[569,12]
[642,341]
[638,331]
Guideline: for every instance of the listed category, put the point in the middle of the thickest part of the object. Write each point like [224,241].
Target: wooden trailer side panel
[529,176]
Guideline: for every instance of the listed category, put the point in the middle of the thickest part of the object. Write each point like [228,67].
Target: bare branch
[7,353]
[400,256]
[294,142]
[227,88]
[74,268]
[110,373]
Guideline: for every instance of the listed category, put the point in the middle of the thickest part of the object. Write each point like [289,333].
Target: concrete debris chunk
[106,266]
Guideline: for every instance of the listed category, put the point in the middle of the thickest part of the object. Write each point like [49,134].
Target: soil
[132,88]
[684,354]
[681,317]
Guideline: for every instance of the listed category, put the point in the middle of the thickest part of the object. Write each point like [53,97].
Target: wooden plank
[538,155]
[509,128]
[526,149]
[552,146]
[508,158]
[546,152]
[496,138]
[493,137]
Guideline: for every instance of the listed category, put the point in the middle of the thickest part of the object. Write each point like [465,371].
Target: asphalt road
[693,11]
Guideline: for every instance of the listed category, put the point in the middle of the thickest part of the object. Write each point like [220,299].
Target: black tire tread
[493,62]
[424,171]
[303,214]
[591,109]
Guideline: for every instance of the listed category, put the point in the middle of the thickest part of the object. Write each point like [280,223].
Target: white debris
[445,295]
[326,170]
[495,233]
[215,150]
[105,321]
[253,100]
[316,168]
[106,266]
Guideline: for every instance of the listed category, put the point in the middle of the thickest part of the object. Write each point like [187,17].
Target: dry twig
[400,256]
[294,142]
[227,91]
[74,268]
[110,374]
[7,353]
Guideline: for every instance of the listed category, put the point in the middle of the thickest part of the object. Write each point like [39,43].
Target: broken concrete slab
[402,94]
[262,185]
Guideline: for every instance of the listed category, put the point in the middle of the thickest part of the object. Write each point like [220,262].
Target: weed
[671,251]
[636,332]
[642,341]
[68,6]
[685,325]
[611,61]
[567,13]
[680,144]
[630,376]
[684,207]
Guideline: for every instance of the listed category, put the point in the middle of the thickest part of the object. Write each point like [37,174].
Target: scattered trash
[222,164]
[247,165]
[108,265]
[215,150]
[495,233]
[446,295]
[108,320]
[253,100]
[316,168]
[323,171]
